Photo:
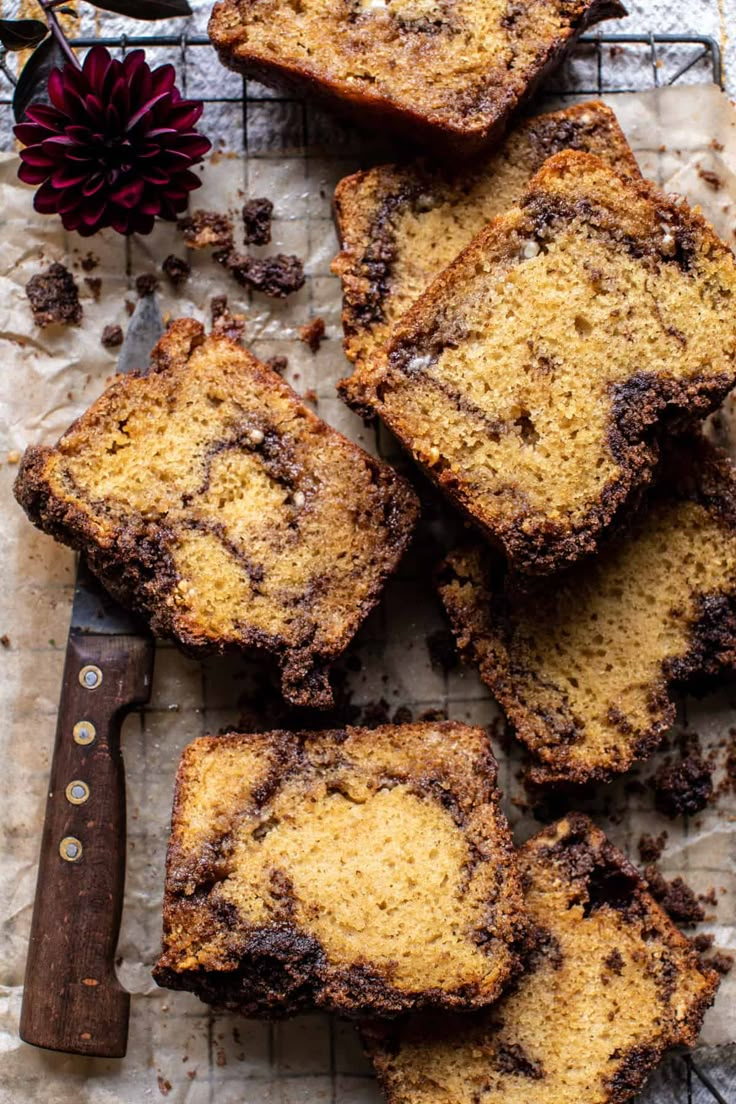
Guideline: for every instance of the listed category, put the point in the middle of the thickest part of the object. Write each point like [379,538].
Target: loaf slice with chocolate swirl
[401,225]
[366,871]
[211,500]
[585,666]
[447,73]
[609,985]
[537,375]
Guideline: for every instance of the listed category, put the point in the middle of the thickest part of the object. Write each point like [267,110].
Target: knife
[72,1000]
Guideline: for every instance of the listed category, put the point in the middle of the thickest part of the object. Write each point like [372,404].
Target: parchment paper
[178,1048]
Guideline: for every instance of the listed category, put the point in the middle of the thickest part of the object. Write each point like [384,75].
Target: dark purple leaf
[21,34]
[32,86]
[145,9]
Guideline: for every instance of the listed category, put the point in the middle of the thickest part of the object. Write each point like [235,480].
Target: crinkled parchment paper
[685,138]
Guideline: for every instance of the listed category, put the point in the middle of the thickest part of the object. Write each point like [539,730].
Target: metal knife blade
[72,1000]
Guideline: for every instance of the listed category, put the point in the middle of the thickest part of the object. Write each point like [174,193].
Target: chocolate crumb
[257,221]
[432,716]
[403,715]
[703,942]
[54,297]
[5,640]
[685,787]
[312,334]
[228,324]
[614,961]
[177,269]
[164,1086]
[277,276]
[711,179]
[715,144]
[721,962]
[207,229]
[512,1058]
[709,898]
[218,306]
[676,898]
[112,336]
[94,283]
[146,284]
[651,847]
[278,364]
[90,262]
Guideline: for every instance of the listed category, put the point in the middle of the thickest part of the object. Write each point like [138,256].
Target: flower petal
[32,174]
[184,115]
[96,65]
[36,155]
[68,176]
[93,183]
[46,200]
[128,193]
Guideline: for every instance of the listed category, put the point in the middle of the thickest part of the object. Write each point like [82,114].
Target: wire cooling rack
[258,122]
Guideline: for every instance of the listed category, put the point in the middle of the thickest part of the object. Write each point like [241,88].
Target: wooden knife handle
[72,1000]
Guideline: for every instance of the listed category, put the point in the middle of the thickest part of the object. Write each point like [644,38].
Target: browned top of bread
[535,376]
[365,871]
[446,73]
[609,985]
[400,225]
[210,499]
[584,664]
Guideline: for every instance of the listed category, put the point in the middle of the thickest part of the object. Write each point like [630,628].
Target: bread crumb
[257,221]
[112,337]
[207,229]
[94,283]
[312,334]
[651,847]
[177,269]
[54,297]
[146,284]
[276,276]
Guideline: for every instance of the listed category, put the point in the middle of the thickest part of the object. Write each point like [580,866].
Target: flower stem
[57,32]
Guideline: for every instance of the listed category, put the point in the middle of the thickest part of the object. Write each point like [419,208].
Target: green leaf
[21,34]
[32,86]
[145,9]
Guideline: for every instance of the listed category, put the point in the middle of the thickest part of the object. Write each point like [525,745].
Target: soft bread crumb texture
[533,377]
[609,985]
[380,856]
[213,500]
[456,70]
[585,668]
[401,225]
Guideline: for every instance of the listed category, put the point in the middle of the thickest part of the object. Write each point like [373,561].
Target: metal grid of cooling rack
[600,65]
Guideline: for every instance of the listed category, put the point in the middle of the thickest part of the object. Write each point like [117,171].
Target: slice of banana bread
[534,376]
[609,985]
[401,225]
[210,499]
[447,74]
[366,871]
[584,664]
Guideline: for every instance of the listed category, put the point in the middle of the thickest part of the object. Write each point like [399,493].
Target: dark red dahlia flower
[115,146]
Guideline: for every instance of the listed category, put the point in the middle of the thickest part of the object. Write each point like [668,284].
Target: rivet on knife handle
[72,999]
